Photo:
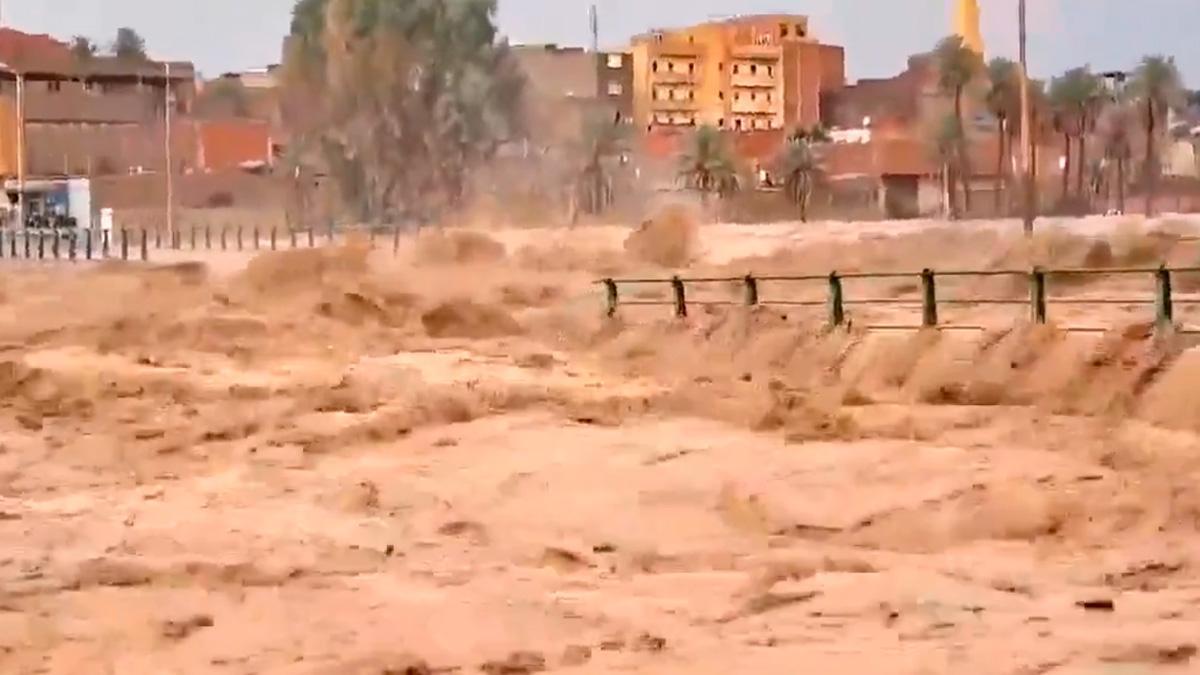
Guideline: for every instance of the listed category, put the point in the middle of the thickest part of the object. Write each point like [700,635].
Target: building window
[770,71]
[799,30]
[691,68]
[721,95]
[737,124]
[691,95]
[768,97]
[654,66]
[670,66]
[753,96]
[615,89]
[783,30]
[721,123]
[53,85]
[735,69]
[616,61]
[737,96]
[753,68]
[720,66]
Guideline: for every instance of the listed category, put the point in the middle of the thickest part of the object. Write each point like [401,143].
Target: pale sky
[223,35]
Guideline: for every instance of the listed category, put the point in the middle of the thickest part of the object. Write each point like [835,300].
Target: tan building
[750,73]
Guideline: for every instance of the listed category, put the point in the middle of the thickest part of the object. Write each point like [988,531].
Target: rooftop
[40,56]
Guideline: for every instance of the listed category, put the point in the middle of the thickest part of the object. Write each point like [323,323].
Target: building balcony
[674,105]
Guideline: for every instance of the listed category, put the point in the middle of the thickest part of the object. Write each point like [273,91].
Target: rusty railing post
[837,301]
[1037,296]
[145,246]
[12,245]
[41,245]
[312,239]
[240,245]
[751,289]
[257,242]
[292,237]
[124,244]
[158,238]
[224,238]
[71,246]
[612,298]
[192,237]
[54,245]
[105,243]
[274,238]
[681,310]
[87,245]
[929,308]
[1,243]
[25,237]
[207,237]
[372,236]
[1164,303]
[395,240]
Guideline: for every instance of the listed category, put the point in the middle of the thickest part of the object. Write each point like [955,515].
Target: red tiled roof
[25,51]
[44,55]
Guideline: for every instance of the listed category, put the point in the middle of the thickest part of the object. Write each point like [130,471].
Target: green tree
[800,166]
[82,48]
[707,165]
[1159,89]
[224,97]
[1004,102]
[401,100]
[957,67]
[1116,125]
[129,45]
[1075,97]
[603,141]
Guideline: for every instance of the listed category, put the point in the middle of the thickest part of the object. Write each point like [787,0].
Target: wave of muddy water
[338,462]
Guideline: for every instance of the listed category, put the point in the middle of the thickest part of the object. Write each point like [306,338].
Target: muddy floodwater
[448,460]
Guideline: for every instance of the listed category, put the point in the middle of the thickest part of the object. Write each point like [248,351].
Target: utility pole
[170,167]
[20,150]
[594,24]
[1026,132]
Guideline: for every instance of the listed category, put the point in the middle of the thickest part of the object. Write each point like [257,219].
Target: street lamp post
[1026,132]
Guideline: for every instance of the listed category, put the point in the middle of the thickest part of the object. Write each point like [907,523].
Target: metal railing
[136,245]
[836,301]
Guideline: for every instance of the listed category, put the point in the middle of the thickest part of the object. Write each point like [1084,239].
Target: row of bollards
[71,245]
[87,244]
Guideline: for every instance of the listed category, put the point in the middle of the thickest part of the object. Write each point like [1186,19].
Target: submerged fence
[837,303]
[137,245]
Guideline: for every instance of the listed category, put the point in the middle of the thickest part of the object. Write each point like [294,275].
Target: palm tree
[1159,89]
[1074,97]
[1004,102]
[799,166]
[707,165]
[603,138]
[957,66]
[947,147]
[1115,125]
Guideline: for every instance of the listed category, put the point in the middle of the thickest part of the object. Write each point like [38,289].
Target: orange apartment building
[748,73]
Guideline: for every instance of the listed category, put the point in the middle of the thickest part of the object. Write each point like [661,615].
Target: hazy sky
[221,35]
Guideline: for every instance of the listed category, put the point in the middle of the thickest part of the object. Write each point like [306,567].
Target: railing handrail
[928,301]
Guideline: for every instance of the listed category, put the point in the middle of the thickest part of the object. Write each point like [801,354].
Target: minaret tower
[966,24]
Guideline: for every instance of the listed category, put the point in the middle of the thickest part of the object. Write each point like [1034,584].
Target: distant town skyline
[879,35]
